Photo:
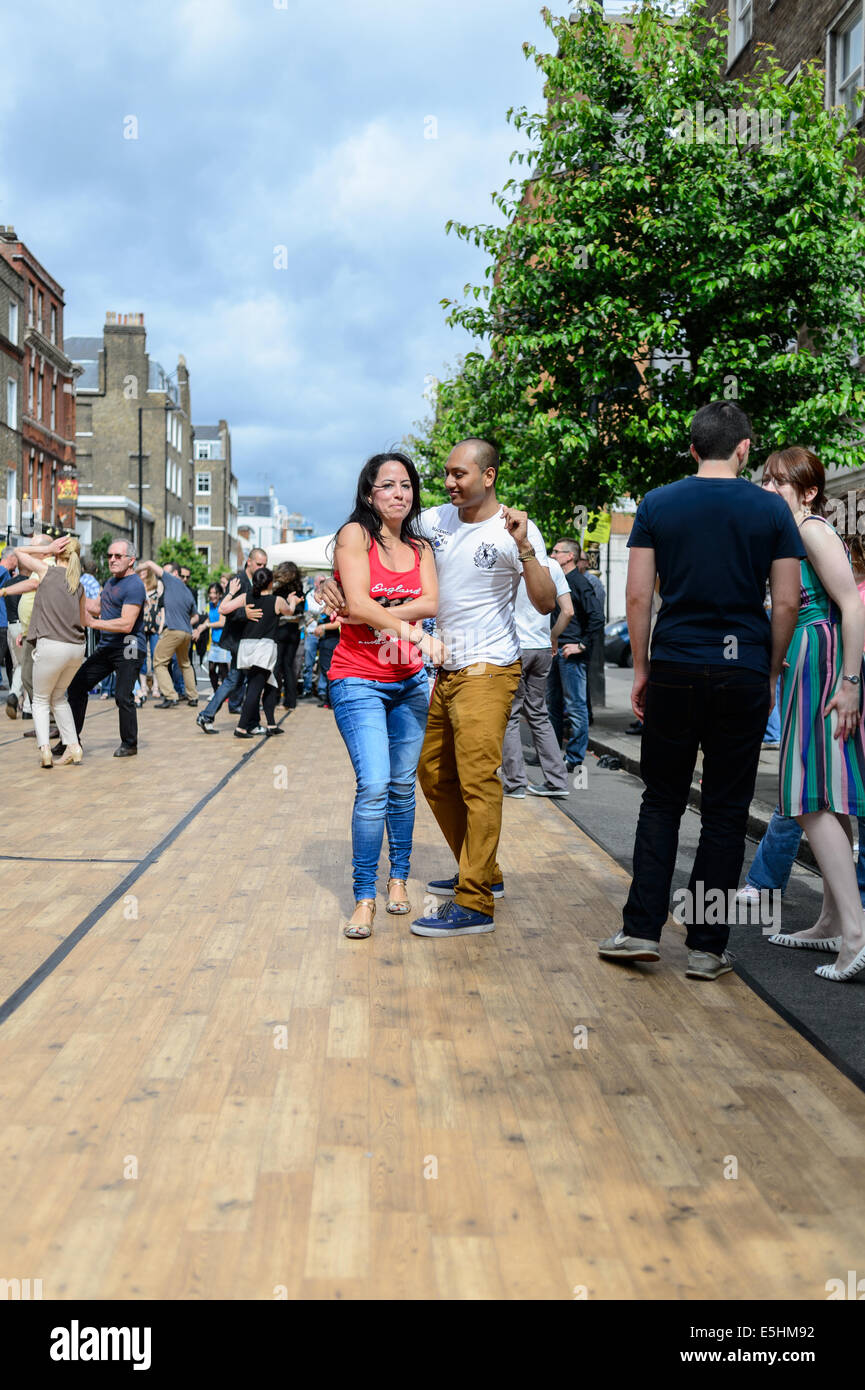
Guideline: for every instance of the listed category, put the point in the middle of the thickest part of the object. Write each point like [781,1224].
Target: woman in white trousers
[58,629]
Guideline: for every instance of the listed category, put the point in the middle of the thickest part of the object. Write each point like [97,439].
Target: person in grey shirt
[176,635]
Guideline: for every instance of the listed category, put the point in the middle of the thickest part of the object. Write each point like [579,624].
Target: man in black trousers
[117,616]
[714,539]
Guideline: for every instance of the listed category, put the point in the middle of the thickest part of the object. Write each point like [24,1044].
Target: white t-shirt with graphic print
[478,571]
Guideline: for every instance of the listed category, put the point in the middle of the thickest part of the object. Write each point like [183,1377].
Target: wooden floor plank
[216,1095]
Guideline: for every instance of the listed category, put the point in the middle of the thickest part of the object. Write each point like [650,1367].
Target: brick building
[122,391]
[214,528]
[13,302]
[828,32]
[800,30]
[46,393]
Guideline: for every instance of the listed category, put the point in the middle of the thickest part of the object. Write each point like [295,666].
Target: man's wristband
[528,554]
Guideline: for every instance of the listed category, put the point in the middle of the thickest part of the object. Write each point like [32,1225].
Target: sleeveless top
[815,605]
[214,616]
[267,623]
[363,651]
[56,611]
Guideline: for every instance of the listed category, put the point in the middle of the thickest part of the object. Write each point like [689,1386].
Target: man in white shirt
[482,550]
[536,653]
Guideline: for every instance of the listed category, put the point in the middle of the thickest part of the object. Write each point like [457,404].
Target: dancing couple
[395,567]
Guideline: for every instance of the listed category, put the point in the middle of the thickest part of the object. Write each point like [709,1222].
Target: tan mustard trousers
[462,749]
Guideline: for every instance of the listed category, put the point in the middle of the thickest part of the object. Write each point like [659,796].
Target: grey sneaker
[702,965]
[518,793]
[544,790]
[621,947]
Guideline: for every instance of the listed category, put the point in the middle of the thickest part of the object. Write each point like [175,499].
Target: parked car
[617,643]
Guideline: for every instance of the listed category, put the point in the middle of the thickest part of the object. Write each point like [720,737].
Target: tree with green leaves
[680,237]
[183,552]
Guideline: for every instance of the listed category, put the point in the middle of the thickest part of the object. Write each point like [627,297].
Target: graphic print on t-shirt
[486,556]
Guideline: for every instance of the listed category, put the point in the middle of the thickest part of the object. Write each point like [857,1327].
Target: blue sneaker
[452,920]
[447,887]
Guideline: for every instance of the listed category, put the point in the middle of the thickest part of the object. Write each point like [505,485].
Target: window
[847,43]
[739,32]
[202,484]
[13,321]
[39,396]
[202,450]
[12,403]
[202,516]
[12,498]
[53,324]
[204,552]
[31,387]
[41,315]
[53,407]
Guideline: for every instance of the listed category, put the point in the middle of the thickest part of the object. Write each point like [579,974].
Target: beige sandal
[359,931]
[398,909]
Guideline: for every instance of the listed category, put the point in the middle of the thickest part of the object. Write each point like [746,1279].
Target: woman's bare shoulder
[352,536]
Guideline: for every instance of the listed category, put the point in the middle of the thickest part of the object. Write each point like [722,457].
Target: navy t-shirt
[714,541]
[116,592]
[179,603]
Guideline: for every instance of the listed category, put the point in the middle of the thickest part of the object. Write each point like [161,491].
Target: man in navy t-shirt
[713,540]
[117,617]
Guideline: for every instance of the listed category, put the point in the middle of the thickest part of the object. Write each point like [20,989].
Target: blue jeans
[230,688]
[566,695]
[383,725]
[773,862]
[310,647]
[773,727]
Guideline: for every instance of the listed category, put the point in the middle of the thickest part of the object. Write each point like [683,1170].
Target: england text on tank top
[368,653]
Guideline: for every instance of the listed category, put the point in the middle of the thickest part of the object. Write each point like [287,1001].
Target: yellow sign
[598,529]
[67,489]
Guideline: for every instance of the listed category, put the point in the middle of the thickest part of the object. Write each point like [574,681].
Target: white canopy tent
[307,555]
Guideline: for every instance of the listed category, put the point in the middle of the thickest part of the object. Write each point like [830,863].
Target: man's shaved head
[484,454]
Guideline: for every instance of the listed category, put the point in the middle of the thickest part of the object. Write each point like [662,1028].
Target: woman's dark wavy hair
[365,514]
[287,580]
[261,580]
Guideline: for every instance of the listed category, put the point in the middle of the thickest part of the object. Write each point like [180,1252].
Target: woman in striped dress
[822,760]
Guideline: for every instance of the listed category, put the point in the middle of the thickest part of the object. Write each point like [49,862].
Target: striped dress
[818,772]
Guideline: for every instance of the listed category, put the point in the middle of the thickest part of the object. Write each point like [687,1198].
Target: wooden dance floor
[206,1091]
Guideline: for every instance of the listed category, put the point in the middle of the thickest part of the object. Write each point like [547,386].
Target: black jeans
[723,710]
[287,642]
[258,691]
[95,669]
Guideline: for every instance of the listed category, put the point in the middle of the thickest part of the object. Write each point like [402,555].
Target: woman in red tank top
[378,687]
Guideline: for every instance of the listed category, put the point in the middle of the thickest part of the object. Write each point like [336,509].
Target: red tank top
[363,651]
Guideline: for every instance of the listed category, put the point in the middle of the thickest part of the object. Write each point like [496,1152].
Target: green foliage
[213,575]
[183,552]
[99,554]
[657,258]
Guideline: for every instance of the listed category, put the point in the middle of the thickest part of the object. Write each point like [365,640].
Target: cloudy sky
[265,124]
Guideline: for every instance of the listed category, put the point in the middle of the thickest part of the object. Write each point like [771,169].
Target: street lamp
[168,406]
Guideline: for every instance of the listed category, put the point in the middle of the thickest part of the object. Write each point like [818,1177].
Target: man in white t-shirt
[482,549]
[536,654]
